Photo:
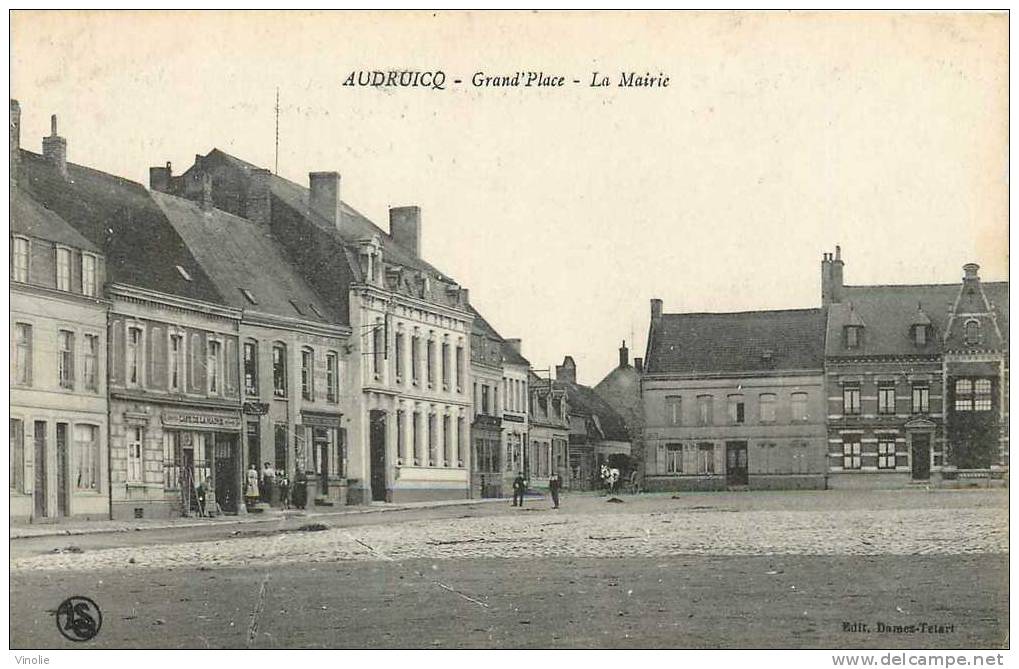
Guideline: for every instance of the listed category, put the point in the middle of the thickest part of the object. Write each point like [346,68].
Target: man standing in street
[553,487]
[518,490]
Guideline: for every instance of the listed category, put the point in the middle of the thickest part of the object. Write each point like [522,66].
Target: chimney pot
[54,148]
[970,271]
[514,344]
[325,195]
[624,355]
[405,228]
[159,178]
[638,364]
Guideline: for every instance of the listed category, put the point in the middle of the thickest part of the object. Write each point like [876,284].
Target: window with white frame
[963,395]
[886,397]
[444,361]
[798,406]
[86,465]
[88,275]
[176,363]
[19,259]
[704,413]
[767,408]
[63,268]
[433,453]
[332,377]
[415,358]
[307,374]
[378,346]
[674,409]
[17,479]
[398,353]
[90,357]
[921,398]
[886,452]
[674,458]
[851,399]
[251,368]
[135,356]
[705,458]
[65,363]
[430,362]
[21,364]
[214,366]
[851,451]
[982,395]
[279,370]
[135,455]
[737,413]
[459,368]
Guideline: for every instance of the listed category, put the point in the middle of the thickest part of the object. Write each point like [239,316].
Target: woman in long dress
[251,488]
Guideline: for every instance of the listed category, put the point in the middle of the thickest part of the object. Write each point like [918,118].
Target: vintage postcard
[496,330]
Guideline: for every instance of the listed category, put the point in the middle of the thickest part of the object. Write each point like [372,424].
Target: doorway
[736,472]
[226,468]
[39,489]
[377,446]
[920,451]
[62,473]
[320,443]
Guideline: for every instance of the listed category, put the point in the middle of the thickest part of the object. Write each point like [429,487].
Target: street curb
[56,530]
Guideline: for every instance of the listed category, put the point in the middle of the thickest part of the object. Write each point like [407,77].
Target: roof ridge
[803,310]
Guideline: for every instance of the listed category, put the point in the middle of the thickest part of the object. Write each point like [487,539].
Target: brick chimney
[15,140]
[258,206]
[159,178]
[405,228]
[836,276]
[325,195]
[206,199]
[566,372]
[54,148]
[638,364]
[513,344]
[656,309]
[825,279]
[970,275]
[624,355]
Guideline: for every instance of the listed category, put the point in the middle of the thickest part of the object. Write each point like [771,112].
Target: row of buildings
[881,386]
[171,337]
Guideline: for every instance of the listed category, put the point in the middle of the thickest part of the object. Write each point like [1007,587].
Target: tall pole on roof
[276,169]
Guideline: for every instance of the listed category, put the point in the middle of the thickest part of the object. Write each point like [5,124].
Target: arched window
[972,333]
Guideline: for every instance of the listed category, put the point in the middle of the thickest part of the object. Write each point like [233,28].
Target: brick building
[734,400]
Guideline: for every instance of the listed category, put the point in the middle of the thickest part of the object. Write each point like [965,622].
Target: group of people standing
[555,484]
[272,486]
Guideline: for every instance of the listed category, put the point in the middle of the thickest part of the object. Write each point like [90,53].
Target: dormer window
[854,335]
[972,333]
[248,295]
[184,273]
[920,335]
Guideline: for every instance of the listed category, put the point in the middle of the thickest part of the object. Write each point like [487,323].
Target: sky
[564,210]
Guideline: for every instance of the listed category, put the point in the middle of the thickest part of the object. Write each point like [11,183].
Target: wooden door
[736,471]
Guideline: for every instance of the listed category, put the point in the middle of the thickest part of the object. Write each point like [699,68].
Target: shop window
[851,399]
[135,455]
[851,452]
[86,446]
[886,453]
[21,365]
[886,398]
[65,363]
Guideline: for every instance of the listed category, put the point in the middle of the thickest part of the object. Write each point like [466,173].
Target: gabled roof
[583,401]
[119,217]
[239,255]
[736,343]
[888,312]
[34,220]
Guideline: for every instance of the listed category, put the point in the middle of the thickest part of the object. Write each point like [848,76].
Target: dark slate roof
[889,311]
[511,357]
[354,226]
[482,326]
[583,401]
[719,343]
[34,220]
[237,253]
[118,216]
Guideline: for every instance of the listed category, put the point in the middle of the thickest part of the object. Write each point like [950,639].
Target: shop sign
[309,419]
[201,421]
[512,419]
